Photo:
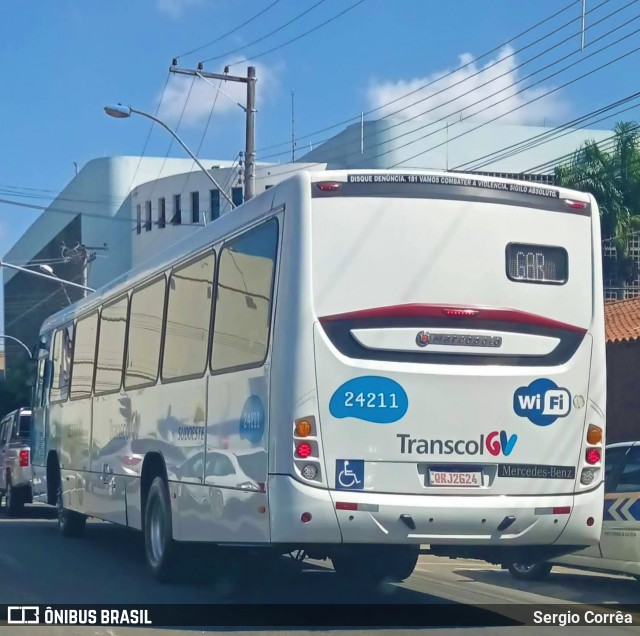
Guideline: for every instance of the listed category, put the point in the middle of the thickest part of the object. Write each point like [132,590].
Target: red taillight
[24,458]
[130,460]
[328,186]
[576,205]
[345,505]
[305,517]
[590,521]
[460,313]
[561,510]
[593,456]
[304,450]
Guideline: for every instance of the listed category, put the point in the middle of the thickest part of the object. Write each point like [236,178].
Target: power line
[492,105]
[521,105]
[545,137]
[442,119]
[299,37]
[449,74]
[507,88]
[231,32]
[264,37]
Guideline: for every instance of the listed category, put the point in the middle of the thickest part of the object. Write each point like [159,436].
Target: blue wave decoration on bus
[370,398]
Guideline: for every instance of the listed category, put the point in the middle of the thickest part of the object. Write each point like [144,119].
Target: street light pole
[47,276]
[250,111]
[24,346]
[49,270]
[122,112]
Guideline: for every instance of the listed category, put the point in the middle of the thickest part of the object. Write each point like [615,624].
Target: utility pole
[250,112]
[84,255]
[293,133]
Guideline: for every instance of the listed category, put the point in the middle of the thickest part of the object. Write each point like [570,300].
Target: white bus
[353,364]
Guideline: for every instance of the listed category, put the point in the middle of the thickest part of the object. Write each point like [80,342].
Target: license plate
[450,478]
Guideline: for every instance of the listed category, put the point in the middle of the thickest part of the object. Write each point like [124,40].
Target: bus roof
[262,204]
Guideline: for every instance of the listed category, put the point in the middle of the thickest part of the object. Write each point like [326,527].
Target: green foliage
[613,177]
[15,391]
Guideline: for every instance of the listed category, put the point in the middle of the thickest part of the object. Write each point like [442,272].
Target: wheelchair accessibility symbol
[349,474]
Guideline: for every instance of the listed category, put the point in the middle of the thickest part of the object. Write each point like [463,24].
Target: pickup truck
[15,460]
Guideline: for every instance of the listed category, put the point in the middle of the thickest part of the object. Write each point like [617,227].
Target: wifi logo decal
[542,402]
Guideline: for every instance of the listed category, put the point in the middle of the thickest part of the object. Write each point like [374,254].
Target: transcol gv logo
[495,443]
[542,402]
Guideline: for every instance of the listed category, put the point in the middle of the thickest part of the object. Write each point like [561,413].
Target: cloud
[203,95]
[495,84]
[175,8]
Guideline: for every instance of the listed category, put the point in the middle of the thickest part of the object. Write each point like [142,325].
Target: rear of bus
[459,362]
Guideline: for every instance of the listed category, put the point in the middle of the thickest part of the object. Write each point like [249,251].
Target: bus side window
[188,319]
[113,328]
[62,345]
[84,354]
[244,297]
[145,332]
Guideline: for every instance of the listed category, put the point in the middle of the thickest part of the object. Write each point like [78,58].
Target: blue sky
[63,60]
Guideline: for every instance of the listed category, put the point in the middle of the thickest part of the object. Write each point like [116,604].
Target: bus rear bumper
[358,517]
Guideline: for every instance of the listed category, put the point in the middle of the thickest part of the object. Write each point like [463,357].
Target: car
[618,551]
[15,460]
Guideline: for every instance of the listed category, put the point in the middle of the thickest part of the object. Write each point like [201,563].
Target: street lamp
[49,270]
[24,346]
[42,275]
[122,112]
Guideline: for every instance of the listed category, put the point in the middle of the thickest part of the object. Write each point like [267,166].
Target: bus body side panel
[293,382]
[71,433]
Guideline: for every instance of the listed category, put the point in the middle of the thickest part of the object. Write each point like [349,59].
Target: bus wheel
[530,571]
[377,564]
[159,546]
[14,500]
[70,523]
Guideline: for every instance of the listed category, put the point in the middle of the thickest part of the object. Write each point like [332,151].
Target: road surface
[37,566]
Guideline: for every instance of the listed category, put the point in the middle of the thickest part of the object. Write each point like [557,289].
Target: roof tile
[622,320]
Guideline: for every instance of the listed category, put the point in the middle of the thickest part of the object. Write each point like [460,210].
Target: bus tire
[529,571]
[14,500]
[373,565]
[70,523]
[161,551]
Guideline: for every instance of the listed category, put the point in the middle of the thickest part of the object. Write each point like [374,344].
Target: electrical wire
[299,37]
[264,37]
[442,77]
[231,32]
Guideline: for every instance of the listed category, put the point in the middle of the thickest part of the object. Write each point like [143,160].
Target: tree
[613,177]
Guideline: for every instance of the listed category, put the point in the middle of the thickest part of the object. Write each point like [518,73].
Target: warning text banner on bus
[335,616]
[449,180]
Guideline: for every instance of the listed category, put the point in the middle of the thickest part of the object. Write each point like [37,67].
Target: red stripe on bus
[455,312]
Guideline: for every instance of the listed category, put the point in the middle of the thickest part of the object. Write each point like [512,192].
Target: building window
[84,357]
[268,186]
[243,306]
[236,195]
[147,216]
[162,212]
[188,318]
[177,210]
[145,333]
[138,219]
[195,207]
[214,196]
[113,328]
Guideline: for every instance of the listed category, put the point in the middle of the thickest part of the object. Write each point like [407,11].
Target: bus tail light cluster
[593,455]
[306,450]
[24,458]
